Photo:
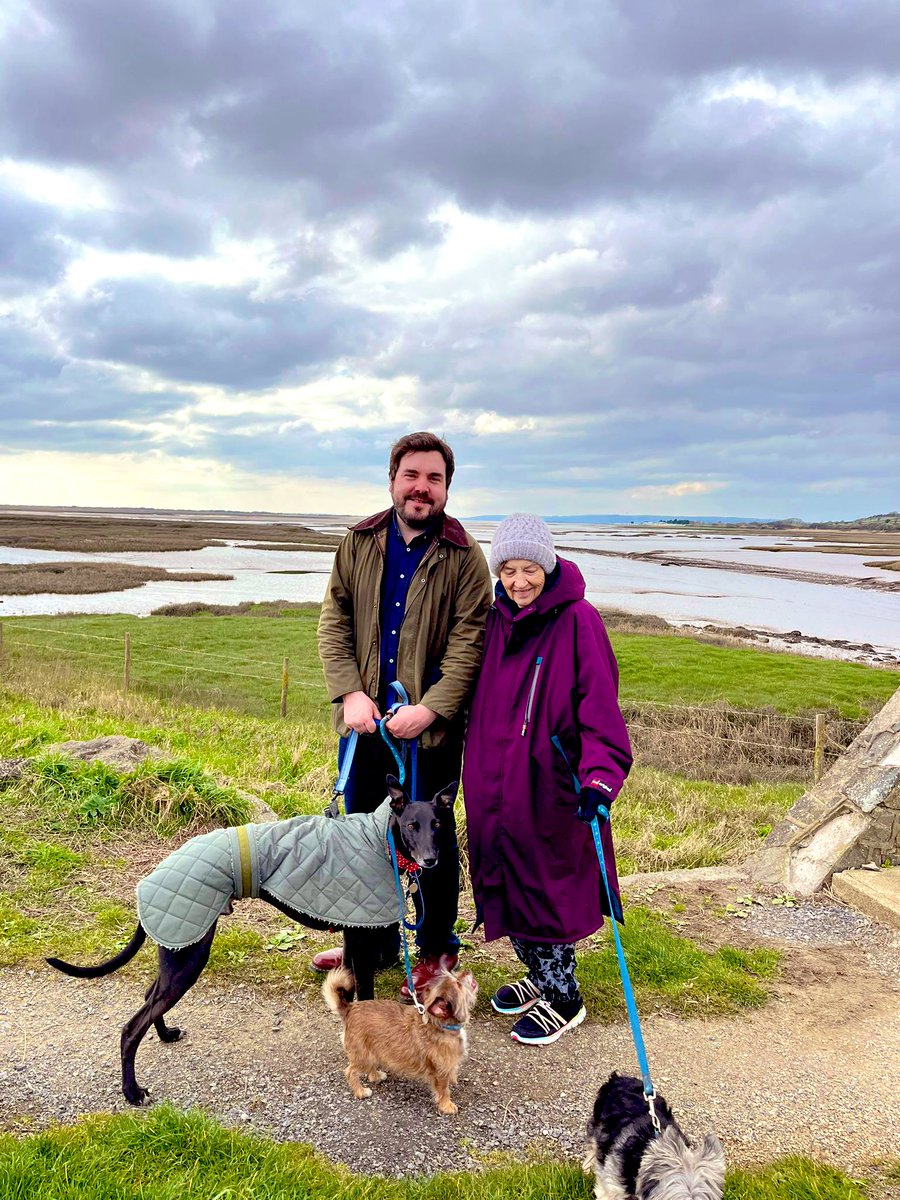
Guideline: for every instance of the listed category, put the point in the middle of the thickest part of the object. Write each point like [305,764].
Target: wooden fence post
[819,752]
[284,686]
[126,673]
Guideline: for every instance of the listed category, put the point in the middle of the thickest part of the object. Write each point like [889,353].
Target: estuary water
[815,596]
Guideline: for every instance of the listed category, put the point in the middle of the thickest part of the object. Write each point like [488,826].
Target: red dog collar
[405,865]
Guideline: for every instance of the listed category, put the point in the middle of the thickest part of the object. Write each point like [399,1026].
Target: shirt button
[397,605]
[393,631]
[390,660]
[402,576]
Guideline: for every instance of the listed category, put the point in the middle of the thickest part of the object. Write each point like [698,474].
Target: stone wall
[850,817]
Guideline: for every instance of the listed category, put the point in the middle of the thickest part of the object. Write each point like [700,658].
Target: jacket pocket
[534,682]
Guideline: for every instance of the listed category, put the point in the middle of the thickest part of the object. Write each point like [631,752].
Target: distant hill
[883,522]
[631,519]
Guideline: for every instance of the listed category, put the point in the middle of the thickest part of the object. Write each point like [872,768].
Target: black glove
[589,801]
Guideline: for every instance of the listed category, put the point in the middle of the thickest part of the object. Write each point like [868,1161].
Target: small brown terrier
[382,1035]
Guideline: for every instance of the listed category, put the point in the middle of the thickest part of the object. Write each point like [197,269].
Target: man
[407,602]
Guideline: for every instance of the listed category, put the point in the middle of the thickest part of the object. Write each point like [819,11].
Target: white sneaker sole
[551,1037]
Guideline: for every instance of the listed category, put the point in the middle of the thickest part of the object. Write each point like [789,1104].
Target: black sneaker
[515,998]
[544,1023]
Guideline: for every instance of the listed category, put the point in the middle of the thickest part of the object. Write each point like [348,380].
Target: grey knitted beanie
[523,535]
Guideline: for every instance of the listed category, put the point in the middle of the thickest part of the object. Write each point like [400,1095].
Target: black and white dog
[630,1163]
[414,826]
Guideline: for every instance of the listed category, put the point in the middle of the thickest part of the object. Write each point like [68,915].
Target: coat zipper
[534,683]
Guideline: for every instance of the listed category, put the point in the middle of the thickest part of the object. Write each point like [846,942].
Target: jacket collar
[447,529]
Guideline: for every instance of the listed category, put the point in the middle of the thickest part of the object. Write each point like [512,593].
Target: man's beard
[414,522]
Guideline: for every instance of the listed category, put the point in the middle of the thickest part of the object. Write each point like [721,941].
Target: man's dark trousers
[366,789]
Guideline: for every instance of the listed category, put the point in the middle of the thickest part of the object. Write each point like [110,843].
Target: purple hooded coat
[548,671]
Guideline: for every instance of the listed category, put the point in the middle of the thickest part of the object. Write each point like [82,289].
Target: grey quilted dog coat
[336,869]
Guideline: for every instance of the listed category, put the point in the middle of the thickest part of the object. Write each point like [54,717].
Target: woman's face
[523,581]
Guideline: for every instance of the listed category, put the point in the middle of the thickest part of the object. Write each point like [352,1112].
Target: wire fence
[131,656]
[718,741]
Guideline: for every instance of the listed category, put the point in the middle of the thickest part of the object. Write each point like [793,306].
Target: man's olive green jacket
[442,634]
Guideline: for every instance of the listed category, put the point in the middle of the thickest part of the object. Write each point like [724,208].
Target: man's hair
[412,443]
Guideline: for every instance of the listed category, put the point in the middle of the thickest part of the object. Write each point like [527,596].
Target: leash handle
[402,698]
[333,808]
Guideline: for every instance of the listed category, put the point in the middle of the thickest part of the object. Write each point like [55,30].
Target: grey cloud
[547,109]
[271,445]
[30,251]
[213,335]
[837,41]
[153,225]
[24,356]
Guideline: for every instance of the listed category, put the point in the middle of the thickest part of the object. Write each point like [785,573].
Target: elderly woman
[545,711]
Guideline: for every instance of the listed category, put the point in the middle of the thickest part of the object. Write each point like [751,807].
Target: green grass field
[205,690]
[235,662]
[168,1155]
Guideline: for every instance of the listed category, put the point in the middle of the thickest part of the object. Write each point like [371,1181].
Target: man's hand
[360,713]
[409,720]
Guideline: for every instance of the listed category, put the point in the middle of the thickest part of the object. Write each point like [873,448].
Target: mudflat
[78,578]
[109,532]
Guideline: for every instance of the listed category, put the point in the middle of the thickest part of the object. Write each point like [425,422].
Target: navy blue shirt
[401,563]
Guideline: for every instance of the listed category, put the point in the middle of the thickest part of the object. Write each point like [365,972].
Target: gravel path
[812,1073]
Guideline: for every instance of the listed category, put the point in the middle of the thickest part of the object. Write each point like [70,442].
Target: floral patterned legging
[551,968]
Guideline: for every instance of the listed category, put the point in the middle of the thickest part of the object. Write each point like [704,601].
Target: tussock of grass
[792,1178]
[671,972]
[664,822]
[246,608]
[298,754]
[168,1155]
[68,795]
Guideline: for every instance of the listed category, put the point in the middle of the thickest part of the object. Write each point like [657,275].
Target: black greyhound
[414,826]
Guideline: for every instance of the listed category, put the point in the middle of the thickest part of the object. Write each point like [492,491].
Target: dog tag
[412,889]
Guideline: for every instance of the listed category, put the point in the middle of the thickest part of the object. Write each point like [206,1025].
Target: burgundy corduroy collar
[447,529]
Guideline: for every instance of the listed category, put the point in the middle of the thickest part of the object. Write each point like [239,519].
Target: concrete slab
[874,893]
[687,875]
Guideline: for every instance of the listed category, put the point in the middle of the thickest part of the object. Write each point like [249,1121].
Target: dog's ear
[446,797]
[711,1152]
[441,1008]
[396,794]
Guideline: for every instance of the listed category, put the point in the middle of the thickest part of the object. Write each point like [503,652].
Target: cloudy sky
[634,256]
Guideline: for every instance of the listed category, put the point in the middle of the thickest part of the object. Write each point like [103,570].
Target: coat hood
[568,587]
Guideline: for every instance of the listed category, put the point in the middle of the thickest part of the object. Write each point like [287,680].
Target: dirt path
[816,1072]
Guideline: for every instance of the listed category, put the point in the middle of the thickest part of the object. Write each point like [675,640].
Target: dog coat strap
[244,862]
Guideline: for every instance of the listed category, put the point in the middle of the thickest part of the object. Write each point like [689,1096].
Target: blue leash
[333,807]
[402,697]
[404,925]
[414,889]
[630,1004]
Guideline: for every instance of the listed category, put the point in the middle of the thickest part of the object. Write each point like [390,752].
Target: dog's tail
[338,990]
[105,968]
